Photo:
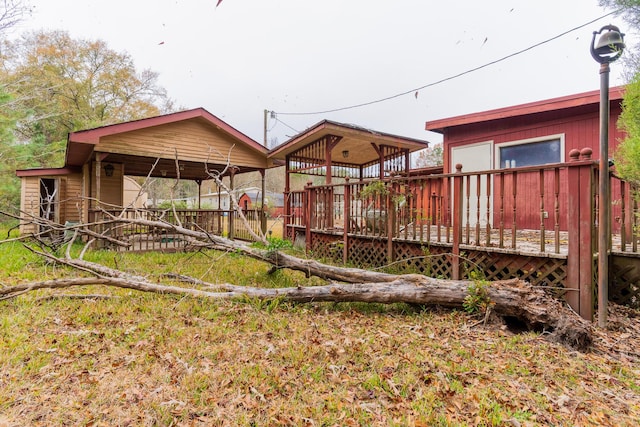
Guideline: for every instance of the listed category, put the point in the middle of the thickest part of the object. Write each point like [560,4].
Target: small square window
[531,153]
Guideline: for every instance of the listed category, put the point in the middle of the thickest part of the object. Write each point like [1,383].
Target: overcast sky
[303,56]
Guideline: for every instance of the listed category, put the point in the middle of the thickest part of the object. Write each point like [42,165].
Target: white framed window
[530,152]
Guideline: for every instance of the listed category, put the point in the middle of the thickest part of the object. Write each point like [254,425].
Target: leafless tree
[11,13]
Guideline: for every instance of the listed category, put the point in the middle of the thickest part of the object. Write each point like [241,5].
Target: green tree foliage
[629,9]
[627,155]
[68,85]
[50,85]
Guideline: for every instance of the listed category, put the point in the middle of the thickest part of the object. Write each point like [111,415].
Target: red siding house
[532,134]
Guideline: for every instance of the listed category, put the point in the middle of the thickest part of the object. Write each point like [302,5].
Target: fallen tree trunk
[510,299]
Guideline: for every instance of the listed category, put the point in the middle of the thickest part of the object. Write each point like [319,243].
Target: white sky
[300,56]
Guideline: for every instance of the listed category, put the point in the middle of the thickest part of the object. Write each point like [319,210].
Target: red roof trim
[48,171]
[92,136]
[561,103]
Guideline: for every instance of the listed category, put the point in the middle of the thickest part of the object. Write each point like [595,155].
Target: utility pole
[265,128]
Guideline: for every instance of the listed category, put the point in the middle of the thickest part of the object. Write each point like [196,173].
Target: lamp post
[608,49]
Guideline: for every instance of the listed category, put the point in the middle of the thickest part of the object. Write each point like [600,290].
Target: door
[477,205]
[49,199]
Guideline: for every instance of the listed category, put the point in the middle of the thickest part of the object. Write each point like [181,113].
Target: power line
[455,76]
[280,121]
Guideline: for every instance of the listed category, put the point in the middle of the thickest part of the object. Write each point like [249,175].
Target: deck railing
[218,222]
[506,208]
[538,209]
[624,215]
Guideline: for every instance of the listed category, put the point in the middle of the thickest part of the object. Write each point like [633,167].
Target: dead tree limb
[512,298]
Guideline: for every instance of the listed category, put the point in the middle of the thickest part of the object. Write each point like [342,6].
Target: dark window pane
[531,154]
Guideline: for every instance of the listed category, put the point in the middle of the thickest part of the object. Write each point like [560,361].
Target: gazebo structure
[341,151]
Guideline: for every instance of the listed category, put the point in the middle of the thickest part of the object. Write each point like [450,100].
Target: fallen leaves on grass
[163,361]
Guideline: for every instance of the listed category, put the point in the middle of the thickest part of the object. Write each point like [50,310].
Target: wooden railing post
[390,215]
[347,220]
[287,213]
[457,222]
[309,206]
[580,230]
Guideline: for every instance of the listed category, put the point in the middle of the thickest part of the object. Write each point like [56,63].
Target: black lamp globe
[610,45]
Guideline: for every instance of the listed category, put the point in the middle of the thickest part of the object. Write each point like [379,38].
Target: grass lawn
[125,358]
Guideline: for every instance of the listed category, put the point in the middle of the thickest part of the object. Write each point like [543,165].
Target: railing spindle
[542,230]
[467,200]
[556,206]
[478,189]
[489,204]
[514,192]
[623,223]
[501,238]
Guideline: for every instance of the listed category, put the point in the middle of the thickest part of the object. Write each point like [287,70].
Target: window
[534,152]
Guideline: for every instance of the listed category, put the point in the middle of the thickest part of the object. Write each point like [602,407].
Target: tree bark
[509,299]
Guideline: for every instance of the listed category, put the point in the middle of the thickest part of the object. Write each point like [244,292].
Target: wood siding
[30,201]
[74,200]
[111,187]
[579,131]
[194,140]
[69,199]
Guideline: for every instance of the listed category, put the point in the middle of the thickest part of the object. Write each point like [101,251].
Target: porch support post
[347,220]
[287,201]
[99,158]
[328,193]
[98,181]
[199,182]
[263,211]
[457,222]
[391,219]
[380,152]
[232,209]
[407,162]
[581,233]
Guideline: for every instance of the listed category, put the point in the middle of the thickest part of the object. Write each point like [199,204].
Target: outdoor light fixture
[609,48]
[610,45]
[345,154]
[163,172]
[108,169]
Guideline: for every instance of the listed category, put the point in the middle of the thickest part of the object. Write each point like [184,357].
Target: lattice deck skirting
[624,282]
[435,260]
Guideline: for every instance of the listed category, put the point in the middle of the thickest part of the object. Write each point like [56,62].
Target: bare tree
[11,13]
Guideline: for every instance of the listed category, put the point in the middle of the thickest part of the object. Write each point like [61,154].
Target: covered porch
[192,145]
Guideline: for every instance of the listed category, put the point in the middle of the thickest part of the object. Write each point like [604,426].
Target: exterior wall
[29,201]
[579,131]
[69,199]
[73,202]
[111,188]
[194,140]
